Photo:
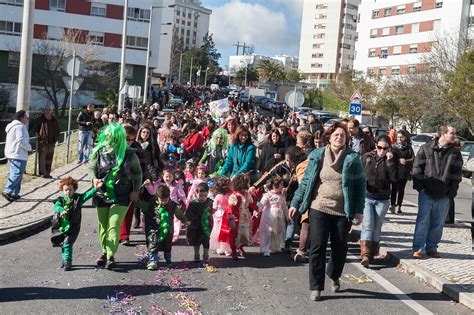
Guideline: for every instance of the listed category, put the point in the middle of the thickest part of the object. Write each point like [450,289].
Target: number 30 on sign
[355,109]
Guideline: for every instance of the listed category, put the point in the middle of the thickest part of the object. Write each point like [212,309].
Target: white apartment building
[395,34]
[100,22]
[252,60]
[328,35]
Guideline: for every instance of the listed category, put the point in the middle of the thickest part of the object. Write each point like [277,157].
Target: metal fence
[62,155]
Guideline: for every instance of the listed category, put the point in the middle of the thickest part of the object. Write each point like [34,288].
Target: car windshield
[421,138]
[468,147]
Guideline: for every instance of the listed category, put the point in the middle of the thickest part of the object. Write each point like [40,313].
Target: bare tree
[49,59]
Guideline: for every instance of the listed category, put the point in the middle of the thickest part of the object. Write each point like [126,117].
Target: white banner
[219,108]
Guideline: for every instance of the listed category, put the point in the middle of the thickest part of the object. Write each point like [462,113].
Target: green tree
[458,92]
[271,71]
[109,97]
[313,98]
[252,76]
[294,75]
[332,102]
[388,102]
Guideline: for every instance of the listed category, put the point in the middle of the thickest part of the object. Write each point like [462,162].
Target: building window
[55,33]
[411,68]
[135,42]
[397,50]
[189,15]
[320,35]
[370,71]
[316,65]
[401,9]
[188,33]
[321,6]
[318,55]
[413,49]
[13,59]
[395,70]
[372,52]
[98,9]
[12,2]
[183,22]
[384,53]
[57,5]
[139,15]
[386,31]
[350,6]
[349,26]
[182,32]
[349,16]
[321,16]
[399,29]
[129,71]
[96,38]
[10,28]
[415,27]
[375,14]
[373,33]
[177,21]
[439,4]
[320,26]
[383,71]
[387,12]
[417,7]
[346,46]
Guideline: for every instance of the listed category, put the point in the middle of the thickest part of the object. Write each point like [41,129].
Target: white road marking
[387,285]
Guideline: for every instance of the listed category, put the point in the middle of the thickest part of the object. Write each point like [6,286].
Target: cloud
[295,7]
[253,23]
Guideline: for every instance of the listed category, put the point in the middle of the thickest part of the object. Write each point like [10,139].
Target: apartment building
[328,36]
[100,23]
[393,36]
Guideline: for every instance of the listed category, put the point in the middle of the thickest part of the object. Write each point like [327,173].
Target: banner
[219,108]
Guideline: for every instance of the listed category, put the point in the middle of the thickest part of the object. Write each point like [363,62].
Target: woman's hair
[306,138]
[236,135]
[113,136]
[296,154]
[405,134]
[222,185]
[383,138]
[241,182]
[332,128]
[225,139]
[277,132]
[68,181]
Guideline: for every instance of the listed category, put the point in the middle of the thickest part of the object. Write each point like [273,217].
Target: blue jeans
[429,222]
[16,169]
[84,142]
[374,215]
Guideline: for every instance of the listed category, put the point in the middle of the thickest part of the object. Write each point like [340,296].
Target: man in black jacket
[85,122]
[436,176]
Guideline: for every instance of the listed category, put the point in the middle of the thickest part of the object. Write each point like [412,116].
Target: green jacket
[353,183]
[240,159]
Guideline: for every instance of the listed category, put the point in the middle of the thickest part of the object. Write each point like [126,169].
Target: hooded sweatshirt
[17,143]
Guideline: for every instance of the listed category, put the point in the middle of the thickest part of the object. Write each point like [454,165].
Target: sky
[272,27]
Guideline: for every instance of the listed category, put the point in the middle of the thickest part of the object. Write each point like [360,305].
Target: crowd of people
[248,180]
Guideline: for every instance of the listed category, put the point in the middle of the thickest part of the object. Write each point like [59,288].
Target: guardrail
[62,153]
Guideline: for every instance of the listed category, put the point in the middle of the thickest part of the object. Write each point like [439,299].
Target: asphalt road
[32,282]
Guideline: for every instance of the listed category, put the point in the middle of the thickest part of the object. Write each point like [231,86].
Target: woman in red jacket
[193,143]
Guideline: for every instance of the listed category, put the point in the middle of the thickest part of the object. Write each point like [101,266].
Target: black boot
[67,265]
[111,263]
[287,248]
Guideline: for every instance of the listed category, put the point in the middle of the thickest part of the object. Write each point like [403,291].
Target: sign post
[355,107]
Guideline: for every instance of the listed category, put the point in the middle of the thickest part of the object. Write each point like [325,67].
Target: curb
[467,181]
[29,227]
[442,285]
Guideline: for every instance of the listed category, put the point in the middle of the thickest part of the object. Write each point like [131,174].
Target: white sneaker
[266,254]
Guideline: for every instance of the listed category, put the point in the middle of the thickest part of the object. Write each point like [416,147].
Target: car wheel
[466,174]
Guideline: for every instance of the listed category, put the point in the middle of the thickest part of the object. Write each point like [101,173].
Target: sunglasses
[367,132]
[382,148]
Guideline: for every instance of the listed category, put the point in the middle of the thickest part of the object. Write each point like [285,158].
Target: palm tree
[294,75]
[271,71]
[252,75]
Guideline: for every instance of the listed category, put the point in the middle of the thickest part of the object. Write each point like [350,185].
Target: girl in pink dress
[221,201]
[201,177]
[273,210]
[176,194]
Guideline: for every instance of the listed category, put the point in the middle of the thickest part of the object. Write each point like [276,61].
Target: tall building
[328,35]
[395,35]
[100,23]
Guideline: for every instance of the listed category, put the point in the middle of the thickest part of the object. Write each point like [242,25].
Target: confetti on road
[210,269]
[353,279]
[267,286]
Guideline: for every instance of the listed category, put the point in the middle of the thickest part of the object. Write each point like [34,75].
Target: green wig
[114,139]
[225,139]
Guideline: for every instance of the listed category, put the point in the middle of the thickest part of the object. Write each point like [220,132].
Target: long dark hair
[236,135]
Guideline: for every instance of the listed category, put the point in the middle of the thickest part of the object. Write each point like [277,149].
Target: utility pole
[243,49]
[26,57]
[122,58]
[179,72]
[191,73]
[238,48]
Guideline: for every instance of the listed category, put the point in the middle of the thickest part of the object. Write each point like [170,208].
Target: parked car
[466,149]
[418,140]
[302,112]
[330,122]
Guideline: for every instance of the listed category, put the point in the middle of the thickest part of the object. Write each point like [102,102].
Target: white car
[330,122]
[418,140]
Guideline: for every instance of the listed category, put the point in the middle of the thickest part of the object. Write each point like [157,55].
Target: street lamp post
[147,66]
[191,72]
[179,71]
[122,58]
[205,77]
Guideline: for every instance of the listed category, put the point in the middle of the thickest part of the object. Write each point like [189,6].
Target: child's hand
[147,182]
[255,213]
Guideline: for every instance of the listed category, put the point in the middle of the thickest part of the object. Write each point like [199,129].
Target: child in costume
[221,201]
[235,228]
[67,219]
[200,222]
[159,226]
[189,169]
[201,177]
[273,211]
[176,194]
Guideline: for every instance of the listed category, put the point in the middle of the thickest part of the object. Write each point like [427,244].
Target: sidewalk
[35,207]
[452,274]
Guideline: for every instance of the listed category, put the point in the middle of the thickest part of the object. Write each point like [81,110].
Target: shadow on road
[96,292]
